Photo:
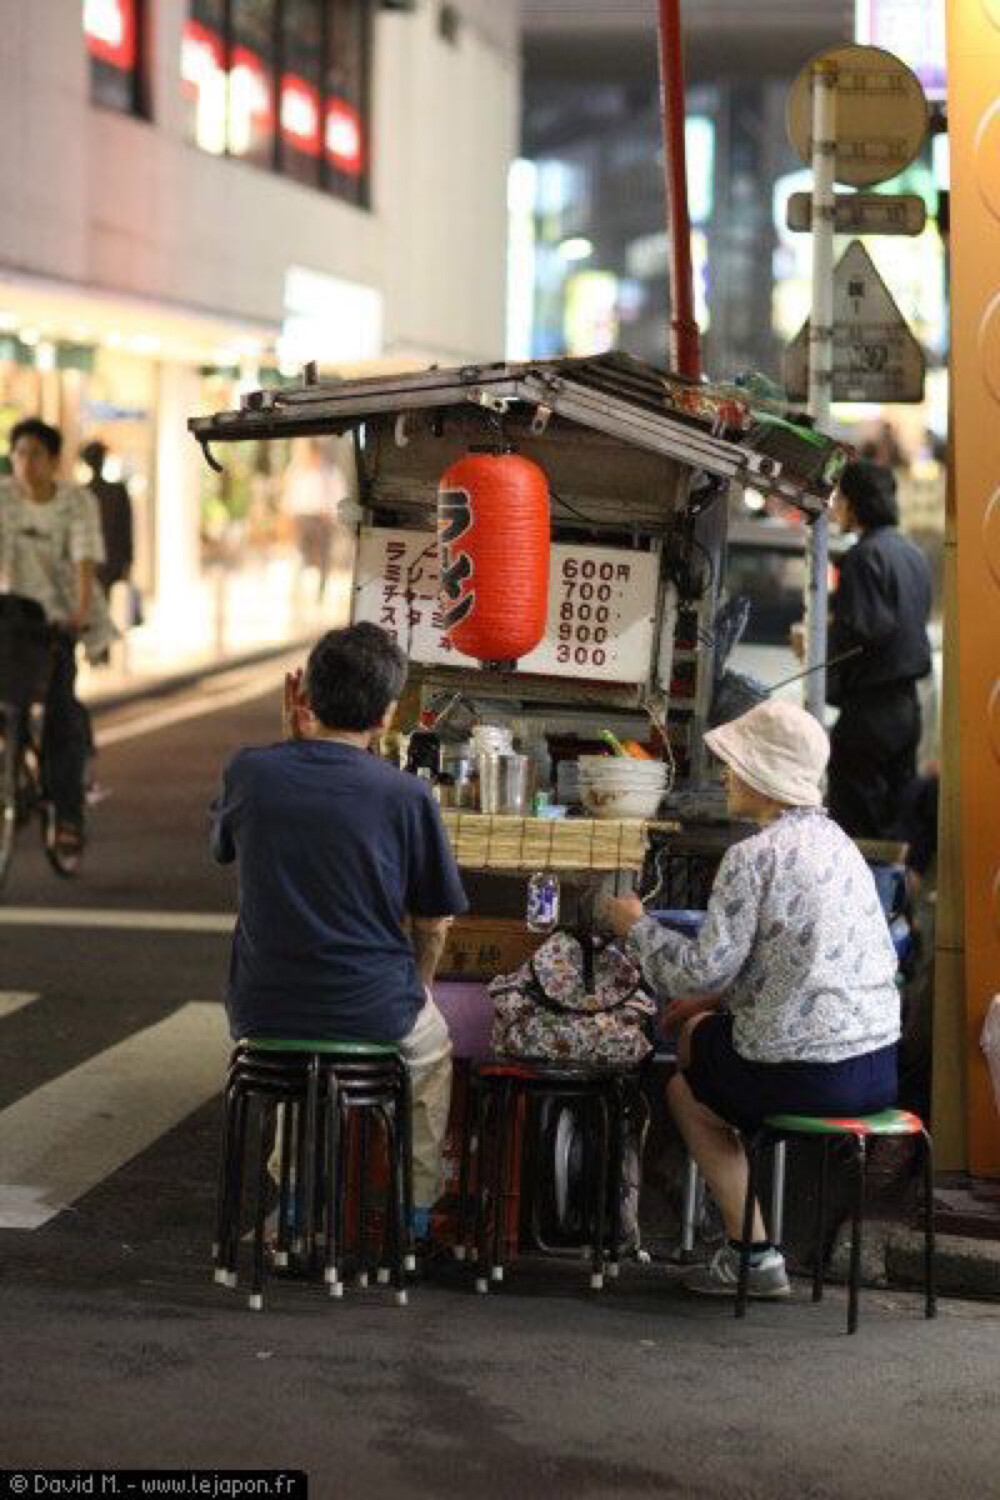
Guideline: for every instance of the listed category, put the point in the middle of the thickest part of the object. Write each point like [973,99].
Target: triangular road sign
[875,356]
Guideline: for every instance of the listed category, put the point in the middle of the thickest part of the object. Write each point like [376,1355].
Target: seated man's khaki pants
[426,1050]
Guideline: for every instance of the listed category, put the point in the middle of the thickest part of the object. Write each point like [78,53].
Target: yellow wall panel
[974,127]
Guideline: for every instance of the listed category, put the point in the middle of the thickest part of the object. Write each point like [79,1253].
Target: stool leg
[856,1229]
[220,1252]
[387,1242]
[406,1147]
[619,1139]
[256,1298]
[753,1150]
[284,1184]
[509,1101]
[220,1185]
[331,1271]
[600,1205]
[364,1126]
[824,1174]
[484,1102]
[341,1160]
[393,1145]
[236,1170]
[461,1230]
[308,1228]
[930,1290]
[582,1116]
[778,1194]
[692,1183]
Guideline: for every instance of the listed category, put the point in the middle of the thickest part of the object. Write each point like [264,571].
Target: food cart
[641,468]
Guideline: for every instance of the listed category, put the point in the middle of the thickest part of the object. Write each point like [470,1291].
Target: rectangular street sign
[875,356]
[864,213]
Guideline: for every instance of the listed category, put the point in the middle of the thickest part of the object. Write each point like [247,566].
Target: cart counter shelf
[483,841]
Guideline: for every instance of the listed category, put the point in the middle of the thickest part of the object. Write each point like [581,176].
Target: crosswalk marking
[12,1000]
[62,1140]
[150,921]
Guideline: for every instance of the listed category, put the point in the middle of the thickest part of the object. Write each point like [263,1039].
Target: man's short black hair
[352,676]
[49,437]
[870,490]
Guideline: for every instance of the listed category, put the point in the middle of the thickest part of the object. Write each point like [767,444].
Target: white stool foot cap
[496,1273]
[401,1299]
[614,1270]
[482,1285]
[221,1276]
[255,1302]
[596,1282]
[281,1257]
[331,1275]
[231,1279]
[362,1278]
[409,1262]
[382,1276]
[459,1252]
[336,1288]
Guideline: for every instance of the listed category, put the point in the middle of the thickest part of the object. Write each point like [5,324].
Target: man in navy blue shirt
[337,852]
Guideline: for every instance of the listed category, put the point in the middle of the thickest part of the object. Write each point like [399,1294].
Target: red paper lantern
[493,533]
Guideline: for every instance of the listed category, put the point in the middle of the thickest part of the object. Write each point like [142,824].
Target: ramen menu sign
[602,604]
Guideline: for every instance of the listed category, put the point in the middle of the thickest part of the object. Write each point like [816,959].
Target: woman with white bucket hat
[787,996]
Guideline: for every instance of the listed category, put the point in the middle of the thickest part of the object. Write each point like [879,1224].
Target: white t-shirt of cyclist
[41,547]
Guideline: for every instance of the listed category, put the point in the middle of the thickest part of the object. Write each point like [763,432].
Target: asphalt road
[118,1350]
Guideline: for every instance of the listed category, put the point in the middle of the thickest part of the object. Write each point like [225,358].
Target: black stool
[856,1131]
[320,1084]
[497,1089]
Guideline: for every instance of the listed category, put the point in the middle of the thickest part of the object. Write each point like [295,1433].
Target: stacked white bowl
[613,786]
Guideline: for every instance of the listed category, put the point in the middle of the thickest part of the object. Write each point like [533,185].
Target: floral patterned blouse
[796,938]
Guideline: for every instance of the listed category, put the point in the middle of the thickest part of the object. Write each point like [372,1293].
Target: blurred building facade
[200,195]
[593,174]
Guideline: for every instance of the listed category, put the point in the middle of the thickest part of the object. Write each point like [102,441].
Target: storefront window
[283,84]
[250,132]
[346,105]
[113,31]
[301,107]
[203,74]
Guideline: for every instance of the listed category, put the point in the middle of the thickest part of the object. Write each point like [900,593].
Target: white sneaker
[720,1278]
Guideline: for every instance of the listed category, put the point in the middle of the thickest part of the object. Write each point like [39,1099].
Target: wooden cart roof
[614,434]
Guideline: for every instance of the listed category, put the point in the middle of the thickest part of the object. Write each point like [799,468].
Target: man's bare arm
[429,936]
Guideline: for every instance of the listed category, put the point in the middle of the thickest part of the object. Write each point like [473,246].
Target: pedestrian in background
[115,506]
[879,612]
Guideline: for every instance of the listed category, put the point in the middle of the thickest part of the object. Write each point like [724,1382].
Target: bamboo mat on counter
[483,841]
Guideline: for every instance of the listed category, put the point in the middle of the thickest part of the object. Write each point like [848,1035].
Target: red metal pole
[685,343]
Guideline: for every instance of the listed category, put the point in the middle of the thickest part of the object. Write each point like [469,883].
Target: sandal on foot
[64,847]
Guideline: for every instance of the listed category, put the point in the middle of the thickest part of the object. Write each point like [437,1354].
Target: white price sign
[602,605]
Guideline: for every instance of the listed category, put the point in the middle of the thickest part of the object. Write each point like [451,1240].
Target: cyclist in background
[50,545]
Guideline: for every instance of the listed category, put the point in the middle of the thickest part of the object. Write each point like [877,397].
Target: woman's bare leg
[716,1148]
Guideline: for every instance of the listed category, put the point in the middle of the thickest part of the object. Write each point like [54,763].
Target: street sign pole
[824,147]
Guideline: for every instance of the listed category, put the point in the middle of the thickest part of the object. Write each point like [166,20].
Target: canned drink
[543,901]
[540,801]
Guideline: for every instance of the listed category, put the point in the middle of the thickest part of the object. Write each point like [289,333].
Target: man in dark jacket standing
[880,613]
[116,517]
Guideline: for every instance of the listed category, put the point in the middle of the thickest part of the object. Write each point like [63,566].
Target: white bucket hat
[776,748]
